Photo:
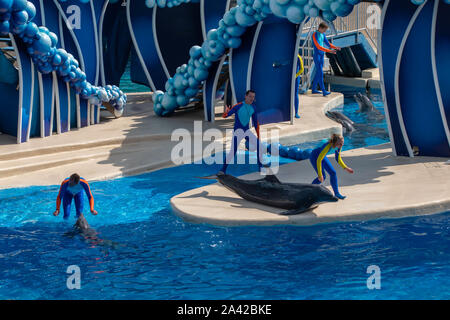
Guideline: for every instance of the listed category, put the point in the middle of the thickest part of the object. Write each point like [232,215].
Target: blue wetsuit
[67,194]
[319,160]
[243,113]
[319,39]
[297,85]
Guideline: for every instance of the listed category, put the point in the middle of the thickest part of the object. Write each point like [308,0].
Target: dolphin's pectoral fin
[272,178]
[296,211]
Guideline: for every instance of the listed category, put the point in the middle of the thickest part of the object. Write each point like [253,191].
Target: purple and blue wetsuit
[68,193]
[243,113]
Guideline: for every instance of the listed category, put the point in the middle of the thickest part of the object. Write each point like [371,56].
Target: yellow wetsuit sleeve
[302,67]
[340,161]
[320,159]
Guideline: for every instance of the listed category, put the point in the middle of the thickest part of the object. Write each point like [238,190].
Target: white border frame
[55,79]
[214,91]
[57,103]
[294,69]
[19,117]
[97,52]
[158,49]
[252,55]
[202,18]
[435,74]
[380,66]
[230,68]
[397,77]
[138,51]
[100,43]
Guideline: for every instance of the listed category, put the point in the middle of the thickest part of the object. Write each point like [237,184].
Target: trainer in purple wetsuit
[243,111]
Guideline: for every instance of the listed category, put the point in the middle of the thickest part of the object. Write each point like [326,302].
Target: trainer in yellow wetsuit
[320,162]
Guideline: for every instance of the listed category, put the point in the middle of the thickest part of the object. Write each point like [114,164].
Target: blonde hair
[335,138]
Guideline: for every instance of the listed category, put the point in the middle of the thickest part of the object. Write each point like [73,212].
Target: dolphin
[82,228]
[354,129]
[347,124]
[365,104]
[296,198]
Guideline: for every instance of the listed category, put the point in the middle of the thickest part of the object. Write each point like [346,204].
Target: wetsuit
[319,161]
[319,40]
[243,113]
[67,194]
[300,69]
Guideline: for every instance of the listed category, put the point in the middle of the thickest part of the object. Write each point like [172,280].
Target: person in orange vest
[72,188]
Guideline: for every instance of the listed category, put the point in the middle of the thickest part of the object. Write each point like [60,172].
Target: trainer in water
[320,162]
[72,189]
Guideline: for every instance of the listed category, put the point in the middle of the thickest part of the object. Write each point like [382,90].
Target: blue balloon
[5,5]
[284,151]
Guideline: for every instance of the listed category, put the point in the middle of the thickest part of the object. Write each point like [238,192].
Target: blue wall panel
[213,12]
[141,18]
[418,100]
[117,45]
[442,54]
[272,69]
[169,33]
[26,69]
[239,61]
[52,23]
[398,16]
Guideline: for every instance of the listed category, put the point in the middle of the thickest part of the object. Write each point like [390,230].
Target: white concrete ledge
[383,186]
[370,78]
[136,143]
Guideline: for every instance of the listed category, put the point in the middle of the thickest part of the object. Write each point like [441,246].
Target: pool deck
[383,186]
[138,142]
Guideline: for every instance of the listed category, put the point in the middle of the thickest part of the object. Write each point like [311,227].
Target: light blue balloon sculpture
[16,17]
[186,82]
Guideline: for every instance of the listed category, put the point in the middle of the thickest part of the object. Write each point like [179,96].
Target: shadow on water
[147,142]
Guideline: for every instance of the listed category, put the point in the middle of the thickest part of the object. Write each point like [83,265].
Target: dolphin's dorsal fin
[272,178]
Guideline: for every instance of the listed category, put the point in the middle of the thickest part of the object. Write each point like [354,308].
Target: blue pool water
[156,255]
[374,130]
[127,86]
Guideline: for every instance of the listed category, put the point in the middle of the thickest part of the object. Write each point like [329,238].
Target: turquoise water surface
[158,256]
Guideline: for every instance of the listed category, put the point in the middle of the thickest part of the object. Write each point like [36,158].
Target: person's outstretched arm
[339,160]
[87,189]
[62,190]
[255,122]
[318,46]
[232,110]
[332,46]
